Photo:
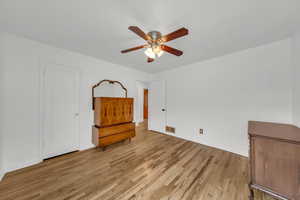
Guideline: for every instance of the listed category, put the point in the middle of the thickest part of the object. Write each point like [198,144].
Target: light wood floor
[152,167]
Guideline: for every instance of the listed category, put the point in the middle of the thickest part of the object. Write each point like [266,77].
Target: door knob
[163,110]
[76,114]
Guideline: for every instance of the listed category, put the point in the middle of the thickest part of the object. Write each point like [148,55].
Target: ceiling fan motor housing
[154,35]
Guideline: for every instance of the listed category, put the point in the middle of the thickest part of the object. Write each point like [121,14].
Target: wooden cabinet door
[277,166]
[111,111]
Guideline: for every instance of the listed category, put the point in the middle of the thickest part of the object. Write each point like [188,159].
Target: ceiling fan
[156,42]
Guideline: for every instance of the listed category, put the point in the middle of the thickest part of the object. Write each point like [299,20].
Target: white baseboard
[1,175]
[209,145]
[22,165]
[86,147]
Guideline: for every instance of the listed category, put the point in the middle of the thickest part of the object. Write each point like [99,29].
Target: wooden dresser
[113,120]
[275,159]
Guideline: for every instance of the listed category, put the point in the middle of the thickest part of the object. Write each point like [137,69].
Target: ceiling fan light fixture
[160,53]
[149,52]
[154,52]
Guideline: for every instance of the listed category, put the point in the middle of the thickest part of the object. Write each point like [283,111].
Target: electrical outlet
[201,131]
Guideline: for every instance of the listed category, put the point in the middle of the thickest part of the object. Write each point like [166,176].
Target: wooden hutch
[112,118]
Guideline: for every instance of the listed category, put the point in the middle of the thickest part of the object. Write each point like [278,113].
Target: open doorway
[142,110]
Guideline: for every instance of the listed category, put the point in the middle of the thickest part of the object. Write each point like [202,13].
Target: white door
[60,110]
[157,109]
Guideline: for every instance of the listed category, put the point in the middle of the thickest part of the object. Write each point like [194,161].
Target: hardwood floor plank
[152,167]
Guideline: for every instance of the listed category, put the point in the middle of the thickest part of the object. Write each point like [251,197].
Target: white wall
[1,157]
[140,100]
[222,94]
[296,78]
[21,62]
[1,108]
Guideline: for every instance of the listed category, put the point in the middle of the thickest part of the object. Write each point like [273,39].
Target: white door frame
[43,67]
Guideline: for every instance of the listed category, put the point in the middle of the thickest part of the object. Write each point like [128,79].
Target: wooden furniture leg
[251,196]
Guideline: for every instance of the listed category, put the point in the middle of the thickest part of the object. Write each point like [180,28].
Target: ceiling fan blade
[150,60]
[139,32]
[133,49]
[171,50]
[176,34]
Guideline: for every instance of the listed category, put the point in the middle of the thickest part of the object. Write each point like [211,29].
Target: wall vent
[170,129]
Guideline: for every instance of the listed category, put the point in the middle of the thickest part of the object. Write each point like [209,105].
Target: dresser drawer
[105,141]
[112,130]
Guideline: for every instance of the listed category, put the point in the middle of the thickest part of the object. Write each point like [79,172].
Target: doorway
[60,110]
[141,103]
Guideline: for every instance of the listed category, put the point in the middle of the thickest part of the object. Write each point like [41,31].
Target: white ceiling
[98,28]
